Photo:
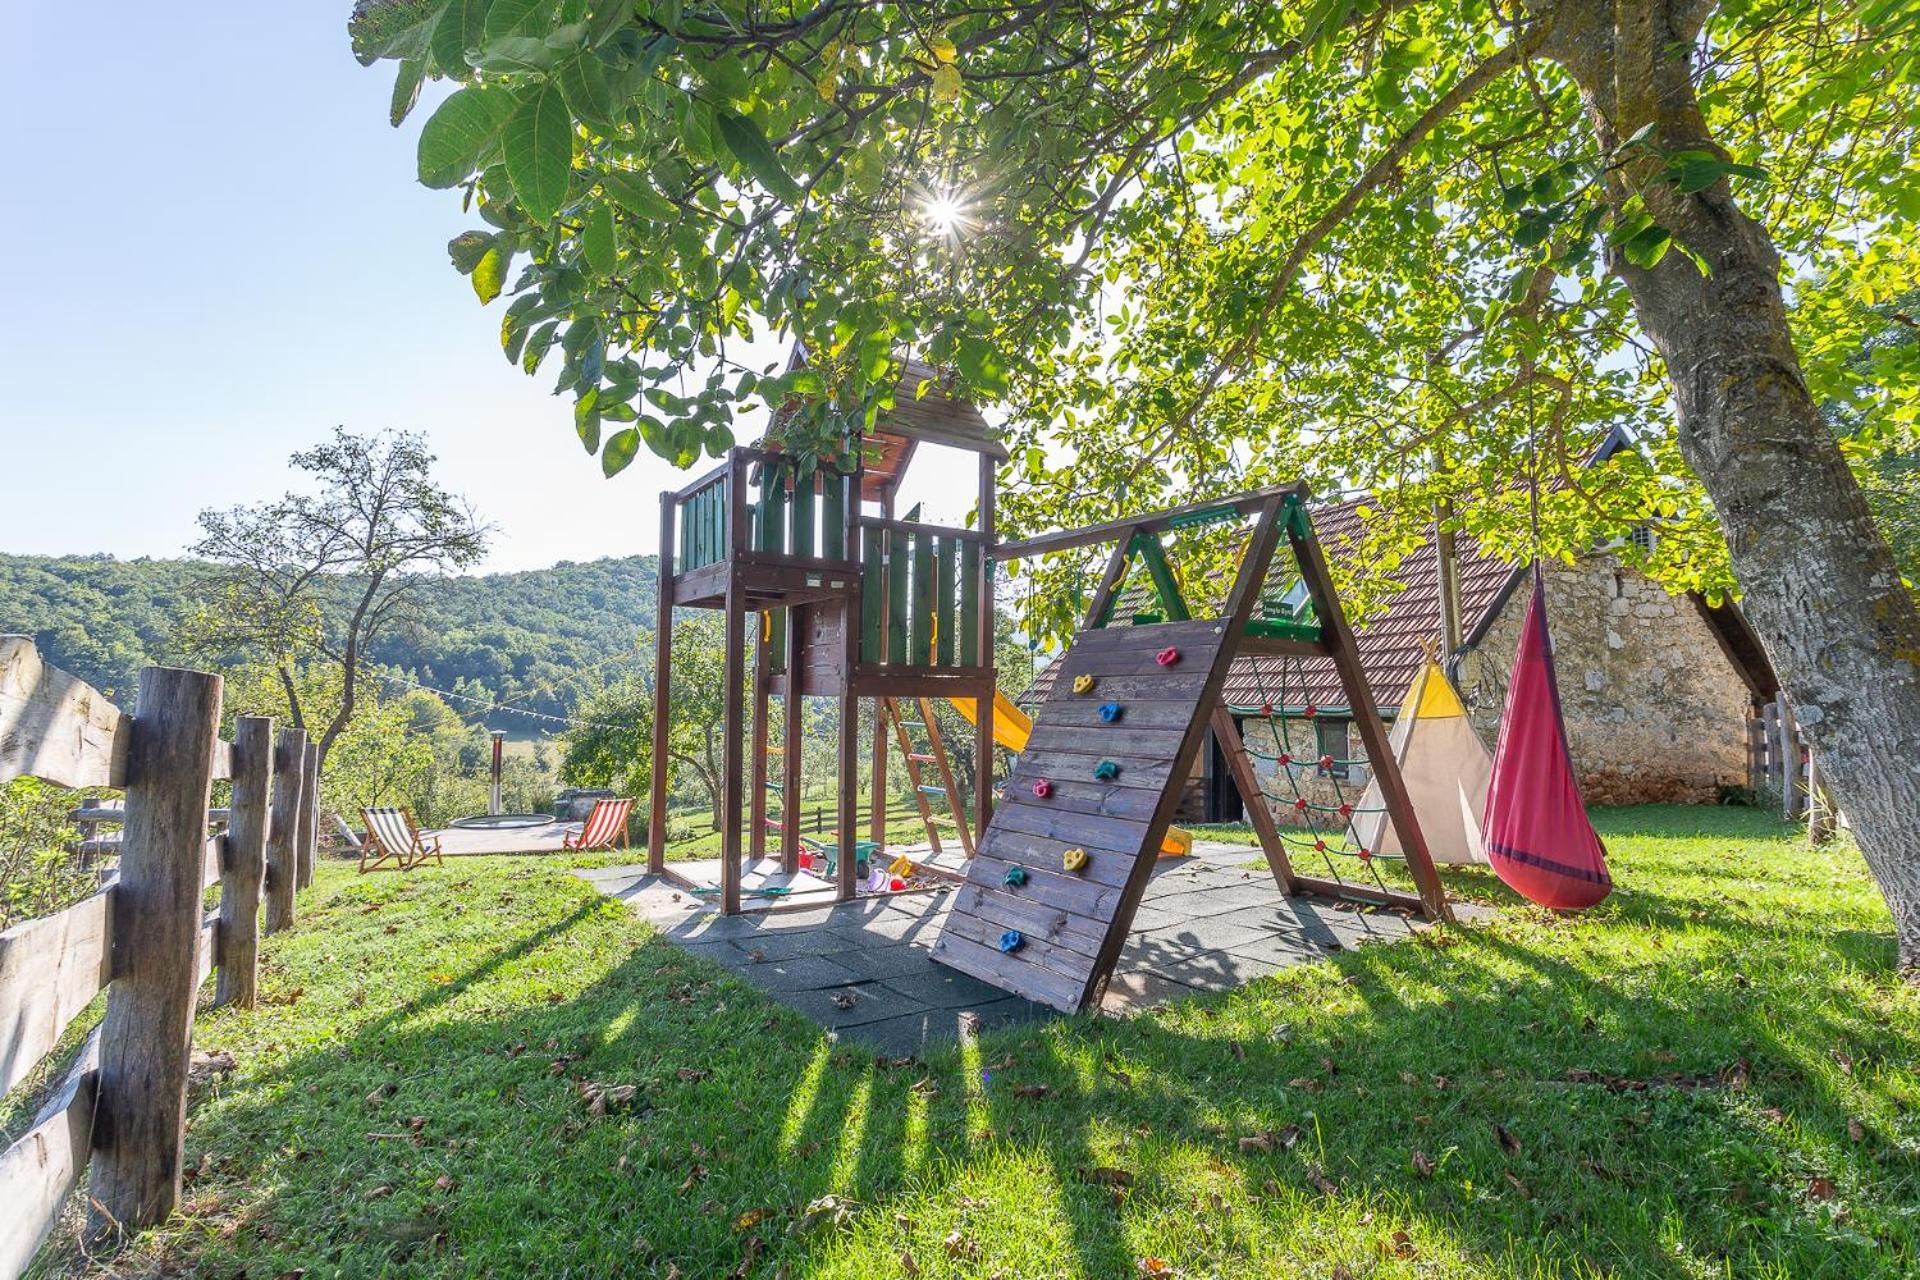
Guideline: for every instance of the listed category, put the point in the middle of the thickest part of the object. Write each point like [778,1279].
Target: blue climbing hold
[1106,771]
[1016,876]
[1010,941]
[1111,711]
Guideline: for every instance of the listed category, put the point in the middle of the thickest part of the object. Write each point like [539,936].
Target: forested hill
[527,639]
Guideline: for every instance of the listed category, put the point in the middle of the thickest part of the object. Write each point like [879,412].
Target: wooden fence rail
[119,1114]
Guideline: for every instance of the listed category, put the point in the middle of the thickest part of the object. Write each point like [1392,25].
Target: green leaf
[636,195]
[584,82]
[460,135]
[406,90]
[462,27]
[509,54]
[390,28]
[586,419]
[538,144]
[598,242]
[619,452]
[1648,246]
[467,248]
[518,18]
[538,345]
[490,273]
[749,146]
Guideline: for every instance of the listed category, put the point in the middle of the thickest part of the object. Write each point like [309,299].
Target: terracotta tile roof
[1391,641]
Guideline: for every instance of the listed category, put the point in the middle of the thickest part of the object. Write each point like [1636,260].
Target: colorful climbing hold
[1346,810]
[1266,709]
[1365,854]
[1167,656]
[1319,846]
[1326,762]
[1111,711]
[1106,771]
[1011,941]
[1042,789]
[1074,859]
[1286,757]
[1083,684]
[1301,804]
[1016,876]
[1309,711]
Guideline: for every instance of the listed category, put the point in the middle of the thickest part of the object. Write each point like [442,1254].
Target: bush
[40,872]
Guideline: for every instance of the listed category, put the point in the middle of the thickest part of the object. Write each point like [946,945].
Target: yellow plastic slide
[1012,727]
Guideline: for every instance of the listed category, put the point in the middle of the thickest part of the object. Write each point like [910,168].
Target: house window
[1644,539]
[1331,737]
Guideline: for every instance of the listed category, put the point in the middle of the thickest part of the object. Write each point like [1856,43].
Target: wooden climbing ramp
[1061,868]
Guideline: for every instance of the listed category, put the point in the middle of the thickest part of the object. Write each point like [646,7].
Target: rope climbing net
[1327,831]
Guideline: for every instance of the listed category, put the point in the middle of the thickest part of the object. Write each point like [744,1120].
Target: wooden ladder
[936,755]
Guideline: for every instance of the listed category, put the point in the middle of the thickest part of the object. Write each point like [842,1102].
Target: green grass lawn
[1711,1075]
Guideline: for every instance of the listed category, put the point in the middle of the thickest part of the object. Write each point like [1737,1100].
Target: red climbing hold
[1042,789]
[1319,846]
[1365,853]
[1167,656]
[1266,709]
[1301,804]
[1309,711]
[1286,757]
[1346,811]
[1326,762]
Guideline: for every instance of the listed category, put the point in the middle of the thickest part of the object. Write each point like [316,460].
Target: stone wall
[1654,710]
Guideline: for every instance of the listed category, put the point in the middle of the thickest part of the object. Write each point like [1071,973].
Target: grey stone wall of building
[1654,710]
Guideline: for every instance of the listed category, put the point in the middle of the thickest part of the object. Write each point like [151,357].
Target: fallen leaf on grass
[377,1193]
[1153,1268]
[1401,1245]
[693,1075]
[602,1098]
[1855,1130]
[959,1245]
[1107,1176]
[926,1087]
[1423,1164]
[1843,1060]
[1822,1188]
[1504,1135]
[1518,1185]
[1321,1183]
[444,1182]
[1033,1091]
[751,1219]
[698,1173]
[907,1264]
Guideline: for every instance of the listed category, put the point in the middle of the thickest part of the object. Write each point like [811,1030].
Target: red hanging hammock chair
[1536,831]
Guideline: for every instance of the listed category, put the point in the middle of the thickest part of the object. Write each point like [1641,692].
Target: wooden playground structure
[827,593]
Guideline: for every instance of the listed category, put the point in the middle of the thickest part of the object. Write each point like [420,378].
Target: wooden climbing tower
[1061,868]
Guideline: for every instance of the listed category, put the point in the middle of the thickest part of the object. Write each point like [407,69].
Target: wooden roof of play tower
[929,415]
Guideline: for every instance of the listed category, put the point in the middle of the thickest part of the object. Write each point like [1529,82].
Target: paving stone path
[862,969]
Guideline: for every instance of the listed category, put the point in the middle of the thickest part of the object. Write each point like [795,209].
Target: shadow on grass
[1674,1084]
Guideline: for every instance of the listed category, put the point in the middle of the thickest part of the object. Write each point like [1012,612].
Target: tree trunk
[1819,581]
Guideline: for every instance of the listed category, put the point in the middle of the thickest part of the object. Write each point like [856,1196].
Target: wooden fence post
[245,869]
[147,1033]
[1790,786]
[283,831]
[309,815]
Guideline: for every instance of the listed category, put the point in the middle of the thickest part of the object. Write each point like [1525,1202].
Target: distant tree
[611,742]
[318,577]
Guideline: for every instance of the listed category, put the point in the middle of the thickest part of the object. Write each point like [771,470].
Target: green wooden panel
[1172,603]
[970,604]
[833,515]
[773,503]
[801,544]
[920,625]
[683,538]
[872,585]
[696,529]
[943,603]
[896,596]
[777,642]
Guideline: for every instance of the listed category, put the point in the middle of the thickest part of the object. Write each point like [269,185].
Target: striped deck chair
[392,838]
[607,823]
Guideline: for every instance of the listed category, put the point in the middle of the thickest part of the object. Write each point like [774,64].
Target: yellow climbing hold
[1083,684]
[1074,859]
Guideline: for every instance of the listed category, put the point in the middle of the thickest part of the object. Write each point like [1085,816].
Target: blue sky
[218,252]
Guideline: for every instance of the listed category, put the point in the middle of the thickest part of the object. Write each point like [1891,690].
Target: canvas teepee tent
[1446,769]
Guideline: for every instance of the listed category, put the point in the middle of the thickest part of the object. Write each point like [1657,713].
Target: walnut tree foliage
[1189,247]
